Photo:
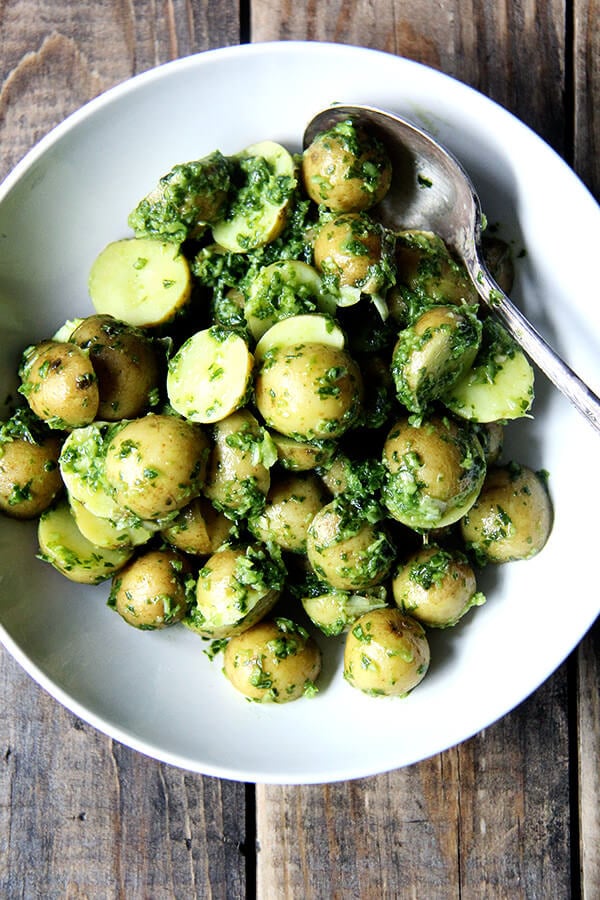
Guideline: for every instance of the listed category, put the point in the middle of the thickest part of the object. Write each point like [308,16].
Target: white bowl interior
[158,692]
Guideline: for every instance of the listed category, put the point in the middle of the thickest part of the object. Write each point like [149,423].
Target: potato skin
[291,504]
[309,391]
[198,529]
[227,602]
[274,661]
[386,653]
[149,592]
[348,555]
[60,384]
[346,169]
[512,517]
[157,464]
[126,366]
[435,471]
[350,250]
[435,587]
[29,476]
[236,481]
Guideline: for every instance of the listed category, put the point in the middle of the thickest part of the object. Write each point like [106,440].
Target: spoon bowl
[431,191]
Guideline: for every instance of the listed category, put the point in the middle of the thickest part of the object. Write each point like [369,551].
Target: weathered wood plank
[486,819]
[81,815]
[486,45]
[586,87]
[489,819]
[56,56]
[588,721]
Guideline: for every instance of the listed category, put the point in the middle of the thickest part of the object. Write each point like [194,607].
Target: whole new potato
[150,591]
[274,661]
[29,475]
[126,365]
[60,384]
[156,465]
[512,517]
[346,169]
[386,653]
[309,391]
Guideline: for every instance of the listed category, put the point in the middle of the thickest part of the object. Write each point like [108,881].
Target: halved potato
[140,281]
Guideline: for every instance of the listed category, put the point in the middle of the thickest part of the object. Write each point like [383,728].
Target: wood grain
[487,819]
[83,816]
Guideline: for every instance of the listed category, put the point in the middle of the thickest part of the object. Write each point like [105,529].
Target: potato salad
[282,427]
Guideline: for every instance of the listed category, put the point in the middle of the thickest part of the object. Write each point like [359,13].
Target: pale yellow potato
[238,479]
[209,377]
[257,223]
[350,249]
[142,281]
[436,587]
[71,553]
[435,472]
[348,553]
[346,169]
[291,505]
[226,603]
[512,517]
[432,353]
[60,384]
[275,661]
[157,464]
[425,265]
[105,532]
[309,391]
[301,456]
[386,653]
[198,529]
[126,364]
[150,592]
[336,611]
[29,476]
[308,328]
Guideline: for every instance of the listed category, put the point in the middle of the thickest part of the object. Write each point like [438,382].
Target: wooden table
[511,813]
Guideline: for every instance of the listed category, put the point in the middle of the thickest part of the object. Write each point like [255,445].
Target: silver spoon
[451,208]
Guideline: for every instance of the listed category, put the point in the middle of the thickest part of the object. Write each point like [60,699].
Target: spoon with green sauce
[451,209]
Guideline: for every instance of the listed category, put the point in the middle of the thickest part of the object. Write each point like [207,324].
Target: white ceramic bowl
[158,692]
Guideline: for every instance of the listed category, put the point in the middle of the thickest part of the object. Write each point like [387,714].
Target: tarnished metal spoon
[451,208]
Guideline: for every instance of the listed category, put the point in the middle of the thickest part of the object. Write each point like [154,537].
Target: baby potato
[157,464]
[236,588]
[386,653]
[150,591]
[301,456]
[237,480]
[29,475]
[309,391]
[432,353]
[275,661]
[346,550]
[346,169]
[60,385]
[198,528]
[126,366]
[425,266]
[350,249]
[435,471]
[512,517]
[436,587]
[71,553]
[335,612]
[291,505]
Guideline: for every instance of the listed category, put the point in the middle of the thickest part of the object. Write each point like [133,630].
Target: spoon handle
[523,332]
